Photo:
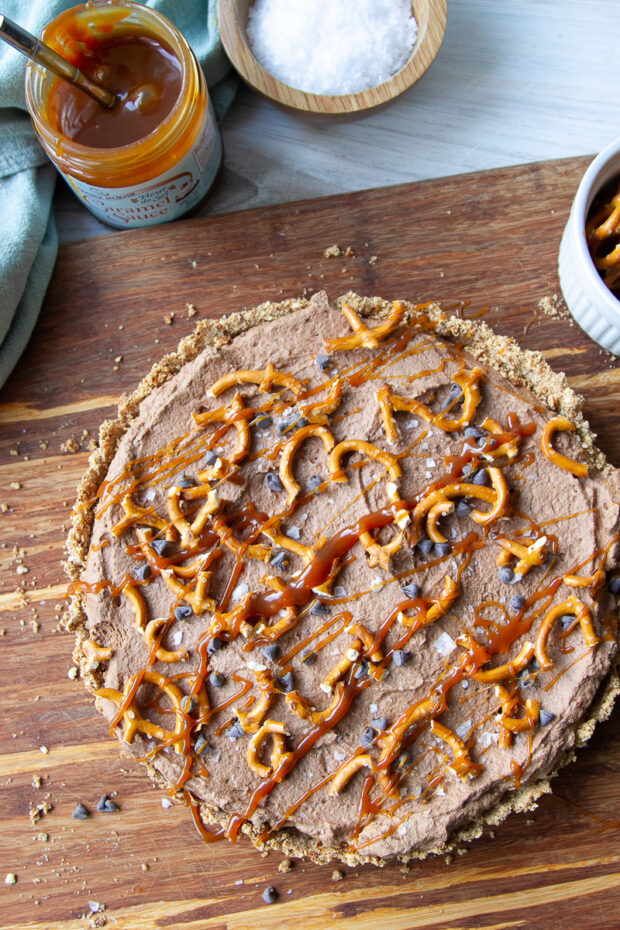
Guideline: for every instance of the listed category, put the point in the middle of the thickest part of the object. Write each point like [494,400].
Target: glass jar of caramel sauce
[154,156]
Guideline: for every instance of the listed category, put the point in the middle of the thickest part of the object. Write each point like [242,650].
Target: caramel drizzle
[203,541]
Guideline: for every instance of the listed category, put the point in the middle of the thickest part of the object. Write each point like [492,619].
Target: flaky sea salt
[332,46]
[444,644]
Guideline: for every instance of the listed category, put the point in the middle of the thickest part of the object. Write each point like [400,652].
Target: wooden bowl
[430,15]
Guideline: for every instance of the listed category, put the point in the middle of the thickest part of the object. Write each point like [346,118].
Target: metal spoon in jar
[33,48]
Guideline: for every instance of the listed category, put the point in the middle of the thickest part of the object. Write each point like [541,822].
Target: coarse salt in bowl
[588,298]
[396,68]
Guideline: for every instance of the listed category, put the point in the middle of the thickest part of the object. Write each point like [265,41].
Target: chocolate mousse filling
[340,577]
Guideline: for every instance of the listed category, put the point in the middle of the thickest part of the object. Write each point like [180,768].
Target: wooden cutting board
[115,305]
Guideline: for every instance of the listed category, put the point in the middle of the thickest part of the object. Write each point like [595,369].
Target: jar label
[165,197]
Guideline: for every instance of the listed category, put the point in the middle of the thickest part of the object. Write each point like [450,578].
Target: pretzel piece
[319,411]
[570,606]
[265,379]
[136,514]
[509,449]
[462,764]
[343,776]
[251,720]
[197,598]
[96,653]
[133,720]
[151,631]
[471,398]
[289,450]
[235,414]
[278,752]
[528,556]
[364,336]
[509,669]
[553,426]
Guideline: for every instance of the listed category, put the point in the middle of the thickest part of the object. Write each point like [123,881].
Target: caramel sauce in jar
[154,156]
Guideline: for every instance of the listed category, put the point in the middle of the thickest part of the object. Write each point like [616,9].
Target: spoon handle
[36,50]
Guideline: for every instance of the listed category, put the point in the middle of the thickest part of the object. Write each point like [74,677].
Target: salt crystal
[340,591]
[340,47]
[463,729]
[444,644]
[150,494]
[240,591]
[339,755]
[166,803]
[431,463]
[374,708]
[485,740]
[176,637]
[293,532]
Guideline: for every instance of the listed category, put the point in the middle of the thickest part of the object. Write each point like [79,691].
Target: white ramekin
[589,300]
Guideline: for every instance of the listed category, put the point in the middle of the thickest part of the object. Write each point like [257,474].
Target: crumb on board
[11,878]
[70,445]
[373,259]
[337,875]
[554,306]
[285,866]
[191,310]
[333,251]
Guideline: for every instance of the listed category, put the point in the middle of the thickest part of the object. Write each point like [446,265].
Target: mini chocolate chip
[567,621]
[282,426]
[186,481]
[463,509]
[235,731]
[215,645]
[400,657]
[535,664]
[285,682]
[314,481]
[506,574]
[323,361]
[411,590]
[80,812]
[217,680]
[454,397]
[271,651]
[161,546]
[425,546]
[308,657]
[320,609]
[472,432]
[281,560]
[183,612]
[527,680]
[189,704]
[106,805]
[270,895]
[367,738]
[210,457]
[143,572]
[546,717]
[362,670]
[272,480]
[379,723]
[201,744]
[480,477]
[263,421]
[517,602]
[403,759]
[614,585]
[442,549]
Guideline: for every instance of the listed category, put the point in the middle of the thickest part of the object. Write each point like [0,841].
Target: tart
[340,577]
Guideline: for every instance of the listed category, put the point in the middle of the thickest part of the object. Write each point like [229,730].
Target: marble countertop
[513,82]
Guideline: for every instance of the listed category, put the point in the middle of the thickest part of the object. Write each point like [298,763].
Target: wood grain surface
[491,239]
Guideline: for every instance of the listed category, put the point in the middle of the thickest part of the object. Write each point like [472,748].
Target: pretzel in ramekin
[555,425]
[365,337]
[265,379]
[572,606]
[278,753]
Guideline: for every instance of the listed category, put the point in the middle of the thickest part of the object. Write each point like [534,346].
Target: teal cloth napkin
[29,243]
